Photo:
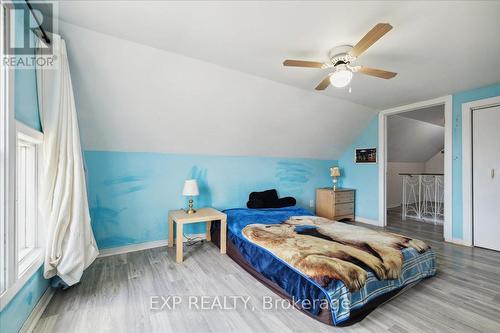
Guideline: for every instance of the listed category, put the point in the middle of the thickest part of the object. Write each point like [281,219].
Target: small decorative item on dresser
[190,190]
[334,173]
[335,204]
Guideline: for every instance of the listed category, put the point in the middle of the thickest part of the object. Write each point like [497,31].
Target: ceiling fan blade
[370,38]
[376,72]
[323,84]
[303,63]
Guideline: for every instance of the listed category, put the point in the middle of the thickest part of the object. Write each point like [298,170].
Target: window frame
[35,139]
[7,173]
[14,274]
[20,271]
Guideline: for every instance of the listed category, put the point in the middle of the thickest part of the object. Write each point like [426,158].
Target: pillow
[262,199]
[286,202]
[269,199]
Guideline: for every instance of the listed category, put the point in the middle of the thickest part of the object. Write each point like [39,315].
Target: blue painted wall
[362,177]
[458,100]
[25,91]
[19,308]
[17,311]
[130,193]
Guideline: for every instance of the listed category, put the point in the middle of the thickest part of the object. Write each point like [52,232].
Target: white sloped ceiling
[132,97]
[410,140]
[207,76]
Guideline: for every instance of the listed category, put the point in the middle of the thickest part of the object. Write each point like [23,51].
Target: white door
[486,177]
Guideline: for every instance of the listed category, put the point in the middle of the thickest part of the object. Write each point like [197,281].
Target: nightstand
[335,204]
[180,218]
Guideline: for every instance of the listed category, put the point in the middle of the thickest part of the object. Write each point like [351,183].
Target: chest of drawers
[335,204]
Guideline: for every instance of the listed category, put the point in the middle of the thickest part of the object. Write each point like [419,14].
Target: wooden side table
[180,217]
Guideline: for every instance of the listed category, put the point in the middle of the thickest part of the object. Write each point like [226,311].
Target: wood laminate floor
[115,294]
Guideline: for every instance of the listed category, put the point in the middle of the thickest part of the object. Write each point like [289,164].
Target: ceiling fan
[341,58]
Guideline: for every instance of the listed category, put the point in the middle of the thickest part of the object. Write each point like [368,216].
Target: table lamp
[190,190]
[334,173]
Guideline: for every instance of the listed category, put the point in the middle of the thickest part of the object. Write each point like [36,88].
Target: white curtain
[70,246]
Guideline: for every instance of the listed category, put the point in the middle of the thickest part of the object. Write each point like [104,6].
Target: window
[26,217]
[20,252]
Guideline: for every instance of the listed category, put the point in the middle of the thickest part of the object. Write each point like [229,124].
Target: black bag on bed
[269,199]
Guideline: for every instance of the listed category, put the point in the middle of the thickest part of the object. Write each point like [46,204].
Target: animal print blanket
[325,250]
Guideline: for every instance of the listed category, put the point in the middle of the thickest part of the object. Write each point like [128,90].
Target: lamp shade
[190,188]
[335,172]
[341,77]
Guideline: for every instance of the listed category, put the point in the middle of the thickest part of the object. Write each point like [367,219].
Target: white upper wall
[410,140]
[132,97]
[435,164]
[395,180]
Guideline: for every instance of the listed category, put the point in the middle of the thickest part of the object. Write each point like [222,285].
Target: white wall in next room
[435,164]
[395,181]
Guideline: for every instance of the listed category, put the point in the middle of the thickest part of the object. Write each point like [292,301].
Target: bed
[332,301]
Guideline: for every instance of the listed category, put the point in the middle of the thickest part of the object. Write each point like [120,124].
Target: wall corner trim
[37,311]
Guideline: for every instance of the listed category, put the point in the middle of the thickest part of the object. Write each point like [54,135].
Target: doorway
[415,170]
[415,174]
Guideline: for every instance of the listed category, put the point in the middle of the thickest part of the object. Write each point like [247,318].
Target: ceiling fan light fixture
[341,58]
[341,77]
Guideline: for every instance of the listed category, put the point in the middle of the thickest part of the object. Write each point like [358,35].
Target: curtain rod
[44,35]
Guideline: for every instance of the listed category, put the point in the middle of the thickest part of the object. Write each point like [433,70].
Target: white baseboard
[367,221]
[37,311]
[141,246]
[458,242]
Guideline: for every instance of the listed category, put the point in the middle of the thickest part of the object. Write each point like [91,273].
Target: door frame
[382,156]
[467,195]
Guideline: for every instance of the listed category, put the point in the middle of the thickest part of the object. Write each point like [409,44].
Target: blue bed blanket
[305,292]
